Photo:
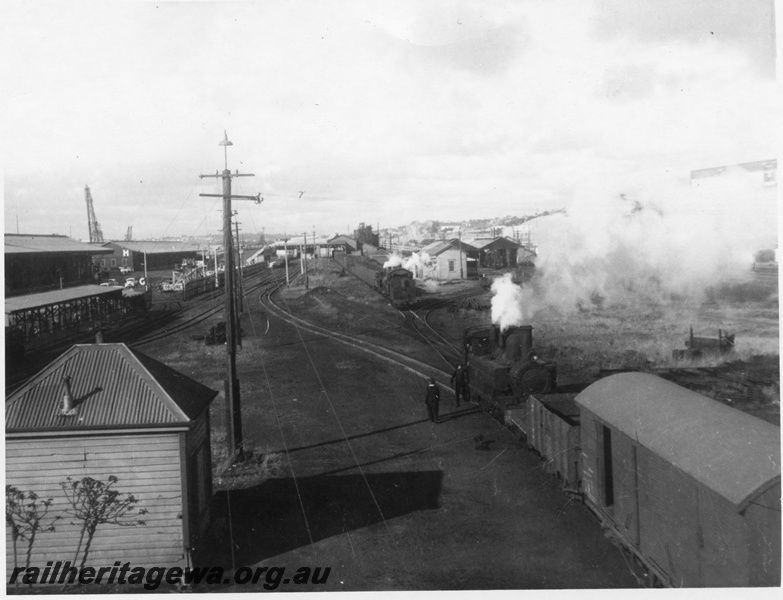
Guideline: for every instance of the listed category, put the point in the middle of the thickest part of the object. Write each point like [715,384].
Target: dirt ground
[348,473]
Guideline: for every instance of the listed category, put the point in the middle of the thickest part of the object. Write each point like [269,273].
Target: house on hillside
[106,410]
[452,259]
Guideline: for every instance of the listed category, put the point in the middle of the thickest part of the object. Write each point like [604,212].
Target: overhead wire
[342,429]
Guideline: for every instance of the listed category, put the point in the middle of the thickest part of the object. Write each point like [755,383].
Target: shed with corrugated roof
[689,484]
[121,414]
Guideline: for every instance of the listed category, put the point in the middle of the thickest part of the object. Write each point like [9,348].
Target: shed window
[113,262]
[103,262]
[452,264]
[124,262]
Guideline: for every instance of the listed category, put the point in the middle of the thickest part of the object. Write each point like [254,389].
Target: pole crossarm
[257,198]
[227,175]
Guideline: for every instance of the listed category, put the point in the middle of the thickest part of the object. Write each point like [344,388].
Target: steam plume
[649,245]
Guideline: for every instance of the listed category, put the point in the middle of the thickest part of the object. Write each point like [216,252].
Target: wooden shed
[553,432]
[451,259]
[690,485]
[133,418]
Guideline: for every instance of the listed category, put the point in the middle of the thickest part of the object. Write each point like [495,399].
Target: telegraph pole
[460,253]
[285,247]
[239,278]
[231,383]
[304,261]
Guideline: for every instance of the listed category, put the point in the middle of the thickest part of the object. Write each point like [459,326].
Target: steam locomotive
[395,283]
[503,368]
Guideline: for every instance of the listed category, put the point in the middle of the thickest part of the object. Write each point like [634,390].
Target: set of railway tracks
[414,366]
[261,280]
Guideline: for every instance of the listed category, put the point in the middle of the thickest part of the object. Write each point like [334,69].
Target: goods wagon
[688,486]
[552,423]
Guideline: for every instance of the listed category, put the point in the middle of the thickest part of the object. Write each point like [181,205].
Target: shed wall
[148,466]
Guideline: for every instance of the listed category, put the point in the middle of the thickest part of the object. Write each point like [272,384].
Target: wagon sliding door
[618,480]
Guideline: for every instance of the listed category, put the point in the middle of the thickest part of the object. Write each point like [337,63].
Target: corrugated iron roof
[112,386]
[436,248]
[55,296]
[733,453]
[496,242]
[16,243]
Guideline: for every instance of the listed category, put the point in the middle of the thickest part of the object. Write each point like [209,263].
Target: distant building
[159,255]
[38,263]
[264,255]
[365,235]
[450,260]
[762,172]
[343,243]
[500,253]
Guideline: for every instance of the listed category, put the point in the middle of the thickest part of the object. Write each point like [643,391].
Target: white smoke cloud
[417,263]
[651,244]
[507,302]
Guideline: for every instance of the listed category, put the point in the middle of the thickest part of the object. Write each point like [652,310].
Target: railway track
[450,353]
[412,365]
[258,281]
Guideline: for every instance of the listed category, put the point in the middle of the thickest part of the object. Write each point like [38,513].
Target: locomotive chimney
[67,396]
[519,343]
[496,337]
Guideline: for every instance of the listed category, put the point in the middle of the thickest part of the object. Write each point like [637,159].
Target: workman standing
[459,382]
[432,400]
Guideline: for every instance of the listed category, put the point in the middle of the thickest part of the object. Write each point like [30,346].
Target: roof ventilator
[68,409]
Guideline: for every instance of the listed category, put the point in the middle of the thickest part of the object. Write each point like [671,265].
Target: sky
[380,112]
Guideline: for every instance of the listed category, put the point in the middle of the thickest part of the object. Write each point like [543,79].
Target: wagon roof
[735,454]
[113,386]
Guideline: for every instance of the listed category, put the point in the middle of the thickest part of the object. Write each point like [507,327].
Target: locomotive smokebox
[518,343]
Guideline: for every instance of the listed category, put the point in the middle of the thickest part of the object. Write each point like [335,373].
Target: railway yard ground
[345,471]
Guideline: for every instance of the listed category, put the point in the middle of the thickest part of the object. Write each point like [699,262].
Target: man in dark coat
[459,382]
[432,400]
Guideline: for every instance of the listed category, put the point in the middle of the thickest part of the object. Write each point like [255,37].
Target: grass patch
[258,465]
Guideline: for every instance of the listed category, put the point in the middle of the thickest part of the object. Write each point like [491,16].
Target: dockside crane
[96,235]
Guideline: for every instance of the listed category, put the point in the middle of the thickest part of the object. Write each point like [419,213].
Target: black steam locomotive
[395,283]
[503,368]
